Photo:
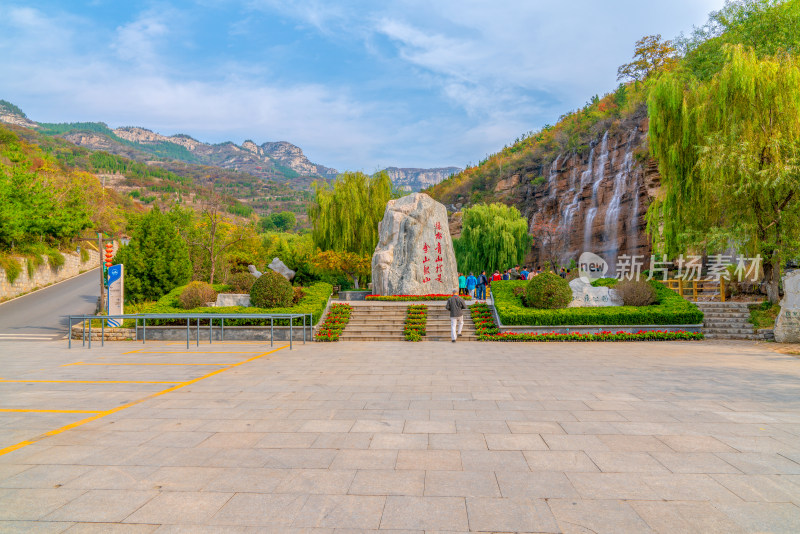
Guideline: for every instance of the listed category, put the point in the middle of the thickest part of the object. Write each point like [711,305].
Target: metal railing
[307,319]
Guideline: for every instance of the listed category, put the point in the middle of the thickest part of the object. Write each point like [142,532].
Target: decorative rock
[414,255]
[585,295]
[787,326]
[232,299]
[255,272]
[279,267]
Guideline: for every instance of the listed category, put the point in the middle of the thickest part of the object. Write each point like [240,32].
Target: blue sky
[358,85]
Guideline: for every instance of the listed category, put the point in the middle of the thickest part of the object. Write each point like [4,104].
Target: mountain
[418,179]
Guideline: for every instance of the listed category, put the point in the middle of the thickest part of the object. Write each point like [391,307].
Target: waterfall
[599,173]
[613,221]
[575,190]
[633,233]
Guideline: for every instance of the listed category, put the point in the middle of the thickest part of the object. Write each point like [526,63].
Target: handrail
[307,318]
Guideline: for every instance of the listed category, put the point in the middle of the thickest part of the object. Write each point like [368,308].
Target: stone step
[752,337]
[725,314]
[726,322]
[723,305]
[728,331]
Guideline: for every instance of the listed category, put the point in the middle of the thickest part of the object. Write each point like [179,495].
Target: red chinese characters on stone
[426,270]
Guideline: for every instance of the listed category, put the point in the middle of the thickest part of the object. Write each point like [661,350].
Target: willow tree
[345,214]
[493,236]
[728,155]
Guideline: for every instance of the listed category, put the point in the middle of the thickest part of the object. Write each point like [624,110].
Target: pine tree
[156,260]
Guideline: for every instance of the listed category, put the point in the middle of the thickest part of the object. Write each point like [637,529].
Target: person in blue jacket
[471,283]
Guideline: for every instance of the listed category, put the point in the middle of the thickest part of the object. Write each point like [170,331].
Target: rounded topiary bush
[636,292]
[271,290]
[547,291]
[197,294]
[241,282]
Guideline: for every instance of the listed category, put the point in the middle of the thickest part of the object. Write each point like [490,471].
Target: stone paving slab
[400,438]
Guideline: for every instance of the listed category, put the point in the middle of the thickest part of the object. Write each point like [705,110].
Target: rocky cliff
[595,200]
[249,157]
[418,179]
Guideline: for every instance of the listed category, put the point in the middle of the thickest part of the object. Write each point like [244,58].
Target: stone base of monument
[354,294]
[232,299]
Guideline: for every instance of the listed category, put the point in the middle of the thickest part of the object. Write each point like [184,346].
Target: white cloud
[487,73]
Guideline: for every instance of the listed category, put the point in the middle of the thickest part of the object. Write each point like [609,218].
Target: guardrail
[693,288]
[211,317]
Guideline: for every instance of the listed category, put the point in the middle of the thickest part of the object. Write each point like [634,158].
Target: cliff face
[595,201]
[418,179]
[250,158]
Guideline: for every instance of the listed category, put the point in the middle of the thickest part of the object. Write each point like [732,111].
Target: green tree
[156,260]
[767,26]
[284,221]
[650,54]
[345,215]
[729,158]
[493,236]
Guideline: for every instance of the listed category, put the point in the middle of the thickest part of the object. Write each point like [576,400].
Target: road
[42,315]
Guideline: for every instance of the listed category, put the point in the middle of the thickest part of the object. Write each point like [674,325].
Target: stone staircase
[727,320]
[384,321]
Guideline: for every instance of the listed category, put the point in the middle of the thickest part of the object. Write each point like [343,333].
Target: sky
[358,85]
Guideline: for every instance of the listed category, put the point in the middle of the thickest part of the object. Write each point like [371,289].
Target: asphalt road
[42,315]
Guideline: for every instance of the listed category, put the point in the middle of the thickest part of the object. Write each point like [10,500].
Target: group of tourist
[476,286]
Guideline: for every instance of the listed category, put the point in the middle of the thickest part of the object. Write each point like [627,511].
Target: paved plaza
[399,438]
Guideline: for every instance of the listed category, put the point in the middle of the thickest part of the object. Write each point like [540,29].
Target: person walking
[483,281]
[462,284]
[472,282]
[456,306]
[506,276]
[496,276]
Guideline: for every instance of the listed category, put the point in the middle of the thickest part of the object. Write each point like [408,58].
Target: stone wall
[44,275]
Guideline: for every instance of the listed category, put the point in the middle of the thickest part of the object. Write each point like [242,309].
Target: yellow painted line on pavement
[4,381]
[142,363]
[28,410]
[132,352]
[124,406]
[203,352]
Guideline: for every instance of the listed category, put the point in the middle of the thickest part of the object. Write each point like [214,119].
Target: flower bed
[411,298]
[670,309]
[486,330]
[337,319]
[416,321]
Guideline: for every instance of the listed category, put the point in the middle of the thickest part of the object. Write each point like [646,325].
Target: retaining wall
[44,275]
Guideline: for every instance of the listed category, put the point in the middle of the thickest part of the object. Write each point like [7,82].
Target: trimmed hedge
[270,290]
[670,308]
[314,302]
[547,291]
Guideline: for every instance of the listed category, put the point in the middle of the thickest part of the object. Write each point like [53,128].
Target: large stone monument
[787,326]
[414,255]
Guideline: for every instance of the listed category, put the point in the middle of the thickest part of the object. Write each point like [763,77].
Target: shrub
[335,323]
[196,294]
[297,294]
[271,290]
[314,303]
[670,309]
[636,292]
[547,291]
[241,282]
